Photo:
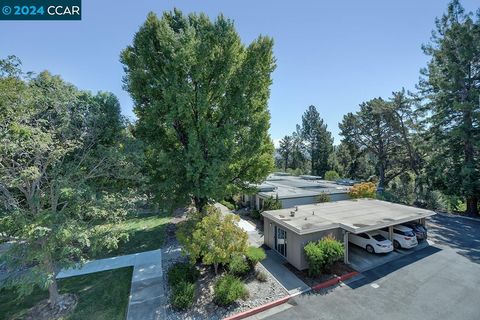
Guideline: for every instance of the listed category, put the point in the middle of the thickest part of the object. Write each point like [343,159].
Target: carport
[370,215]
[289,230]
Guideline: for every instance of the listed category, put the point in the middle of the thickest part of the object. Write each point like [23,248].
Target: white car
[373,242]
[403,237]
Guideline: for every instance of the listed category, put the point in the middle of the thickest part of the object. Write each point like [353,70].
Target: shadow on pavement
[392,266]
[457,233]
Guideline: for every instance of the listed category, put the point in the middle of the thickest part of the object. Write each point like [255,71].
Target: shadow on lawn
[145,232]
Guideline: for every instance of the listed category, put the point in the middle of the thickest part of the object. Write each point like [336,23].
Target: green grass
[145,232]
[101,295]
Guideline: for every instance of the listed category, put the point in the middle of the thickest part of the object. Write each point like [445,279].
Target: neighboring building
[288,230]
[293,191]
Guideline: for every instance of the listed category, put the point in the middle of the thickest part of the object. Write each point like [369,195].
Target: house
[292,191]
[288,230]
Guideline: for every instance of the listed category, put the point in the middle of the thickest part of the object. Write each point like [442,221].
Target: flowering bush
[363,190]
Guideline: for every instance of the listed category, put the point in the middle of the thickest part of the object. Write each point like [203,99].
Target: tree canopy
[216,238]
[201,100]
[61,160]
[451,88]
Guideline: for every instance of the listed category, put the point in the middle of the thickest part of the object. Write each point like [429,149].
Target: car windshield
[378,237]
[409,234]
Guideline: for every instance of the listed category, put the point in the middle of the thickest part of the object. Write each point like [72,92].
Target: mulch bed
[337,269]
[42,311]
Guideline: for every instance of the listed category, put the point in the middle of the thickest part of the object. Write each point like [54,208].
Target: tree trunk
[215,266]
[381,178]
[53,287]
[53,293]
[200,203]
[472,205]
[312,160]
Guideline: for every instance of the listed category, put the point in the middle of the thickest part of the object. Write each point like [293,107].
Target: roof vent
[296,208]
[313,213]
[305,218]
[292,213]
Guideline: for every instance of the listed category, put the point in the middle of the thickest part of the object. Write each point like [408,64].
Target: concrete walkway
[146,292]
[255,238]
[274,262]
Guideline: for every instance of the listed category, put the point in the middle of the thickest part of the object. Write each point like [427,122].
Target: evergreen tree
[375,129]
[318,139]
[451,88]
[299,160]
[285,150]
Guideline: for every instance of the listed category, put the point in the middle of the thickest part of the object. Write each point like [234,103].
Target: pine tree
[451,88]
[285,150]
[318,139]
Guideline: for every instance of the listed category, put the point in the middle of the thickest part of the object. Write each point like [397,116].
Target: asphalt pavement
[440,281]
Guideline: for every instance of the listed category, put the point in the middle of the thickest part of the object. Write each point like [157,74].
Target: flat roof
[286,187]
[356,216]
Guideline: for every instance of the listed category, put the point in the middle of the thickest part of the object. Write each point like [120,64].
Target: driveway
[438,282]
[362,261]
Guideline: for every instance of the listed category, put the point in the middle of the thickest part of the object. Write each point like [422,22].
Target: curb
[280,301]
[259,309]
[334,281]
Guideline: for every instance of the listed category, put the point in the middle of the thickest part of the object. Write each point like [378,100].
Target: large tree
[375,129]
[285,149]
[201,101]
[59,155]
[451,87]
[318,139]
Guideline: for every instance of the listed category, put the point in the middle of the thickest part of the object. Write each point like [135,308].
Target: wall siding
[295,242]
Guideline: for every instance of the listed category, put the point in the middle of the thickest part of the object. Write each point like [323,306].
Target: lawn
[145,232]
[101,295]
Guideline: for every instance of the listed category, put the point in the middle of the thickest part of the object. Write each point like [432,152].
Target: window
[280,241]
[378,237]
[398,232]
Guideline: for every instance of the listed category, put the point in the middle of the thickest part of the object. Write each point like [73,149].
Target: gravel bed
[260,293]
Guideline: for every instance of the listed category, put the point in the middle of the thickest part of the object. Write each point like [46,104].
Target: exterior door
[281,241]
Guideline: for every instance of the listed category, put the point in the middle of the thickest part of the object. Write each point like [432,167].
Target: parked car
[373,242]
[419,230]
[403,237]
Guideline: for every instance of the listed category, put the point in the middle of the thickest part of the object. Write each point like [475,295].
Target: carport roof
[356,216]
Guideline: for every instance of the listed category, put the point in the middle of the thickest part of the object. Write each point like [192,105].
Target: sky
[332,54]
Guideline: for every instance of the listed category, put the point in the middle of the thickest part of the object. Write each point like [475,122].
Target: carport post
[390,233]
[345,245]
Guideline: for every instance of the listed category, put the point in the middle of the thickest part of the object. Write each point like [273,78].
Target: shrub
[182,296]
[228,289]
[363,190]
[272,204]
[215,239]
[227,204]
[255,214]
[322,254]
[323,197]
[238,265]
[261,276]
[182,272]
[332,175]
[255,255]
